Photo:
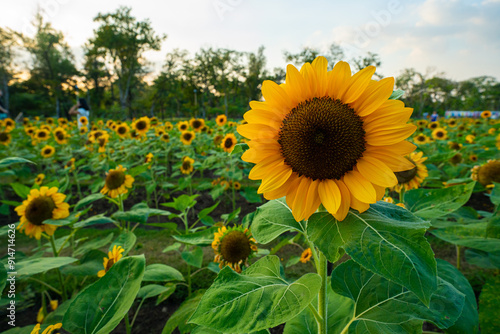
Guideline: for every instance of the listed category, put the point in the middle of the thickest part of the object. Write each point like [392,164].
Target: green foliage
[181,316]
[33,266]
[161,273]
[489,306]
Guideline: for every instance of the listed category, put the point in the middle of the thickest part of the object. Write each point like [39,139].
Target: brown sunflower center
[39,210]
[141,125]
[47,151]
[196,124]
[187,136]
[440,134]
[165,136]
[489,173]
[228,143]
[407,175]
[110,263]
[41,134]
[186,165]
[4,137]
[420,138]
[60,135]
[457,158]
[235,247]
[322,138]
[115,179]
[183,127]
[122,130]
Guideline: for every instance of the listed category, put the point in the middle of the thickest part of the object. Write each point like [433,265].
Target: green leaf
[30,266]
[206,330]
[94,220]
[167,293]
[385,239]
[273,219]
[250,195]
[87,200]
[470,235]
[489,306]
[468,322]
[175,246]
[382,306]
[483,259]
[396,94]
[161,273]
[13,160]
[238,148]
[183,313]
[93,244]
[182,202]
[205,212]
[193,258]
[151,290]
[259,296]
[20,189]
[89,264]
[3,278]
[138,170]
[202,238]
[102,305]
[126,240]
[138,214]
[432,203]
[495,194]
[227,218]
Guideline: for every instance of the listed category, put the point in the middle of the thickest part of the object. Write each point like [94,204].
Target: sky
[458,37]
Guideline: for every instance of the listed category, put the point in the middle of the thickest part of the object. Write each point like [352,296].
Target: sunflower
[49,121]
[306,255]
[487,173]
[197,124]
[39,179]
[70,165]
[159,131]
[62,121]
[113,256]
[141,126]
[83,121]
[454,145]
[388,200]
[149,158]
[122,130]
[42,134]
[48,330]
[41,205]
[109,123]
[327,137]
[236,185]
[60,135]
[456,159]
[470,139]
[422,122]
[233,247]
[83,130]
[218,139]
[117,182]
[165,137]
[420,139]
[187,165]
[473,158]
[153,121]
[439,134]
[433,125]
[187,137]
[5,138]
[412,178]
[486,114]
[228,142]
[221,120]
[452,122]
[26,121]
[46,127]
[48,151]
[30,130]
[183,126]
[168,126]
[492,131]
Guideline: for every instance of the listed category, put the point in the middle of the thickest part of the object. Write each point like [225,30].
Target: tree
[53,63]
[333,54]
[255,74]
[124,40]
[8,41]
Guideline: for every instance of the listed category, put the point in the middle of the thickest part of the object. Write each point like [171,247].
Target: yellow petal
[390,136]
[376,171]
[320,65]
[257,131]
[374,95]
[260,170]
[358,84]
[338,79]
[330,195]
[276,96]
[360,187]
[345,203]
[275,178]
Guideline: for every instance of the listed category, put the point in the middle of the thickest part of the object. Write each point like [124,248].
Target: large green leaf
[102,305]
[385,239]
[13,160]
[432,203]
[32,266]
[94,220]
[206,330]
[151,290]
[162,273]
[93,244]
[139,213]
[257,299]
[202,238]
[87,200]
[483,259]
[181,316]
[489,306]
[495,194]
[193,257]
[126,240]
[382,306]
[20,189]
[272,219]
[471,235]
[468,322]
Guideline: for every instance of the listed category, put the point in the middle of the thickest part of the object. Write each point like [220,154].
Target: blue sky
[458,37]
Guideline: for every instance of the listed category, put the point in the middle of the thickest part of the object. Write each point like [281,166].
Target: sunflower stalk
[59,275]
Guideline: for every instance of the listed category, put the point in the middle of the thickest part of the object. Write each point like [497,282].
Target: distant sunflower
[327,137]
[187,137]
[83,121]
[487,173]
[412,178]
[233,247]
[5,138]
[70,165]
[197,124]
[141,126]
[218,139]
[122,130]
[62,122]
[439,134]
[187,165]
[39,179]
[48,151]
[159,131]
[452,122]
[486,114]
[49,121]
[48,330]
[149,158]
[306,255]
[117,182]
[26,121]
[183,126]
[422,122]
[473,158]
[41,205]
[229,142]
[492,131]
[454,145]
[30,130]
[60,135]
[168,126]
[83,130]
[420,139]
[236,185]
[9,124]
[165,137]
[42,134]
[221,120]
[109,123]
[113,256]
[433,125]
[153,121]
[470,139]
[456,159]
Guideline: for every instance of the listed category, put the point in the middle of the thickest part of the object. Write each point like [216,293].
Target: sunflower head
[412,178]
[41,205]
[165,137]
[236,185]
[433,125]
[233,247]
[70,164]
[187,137]
[420,139]
[83,120]
[141,126]
[42,134]
[452,122]
[5,138]
[221,120]
[39,179]
[486,114]
[454,145]
[229,142]
[197,124]
[113,256]
[487,173]
[48,151]
[183,126]
[470,139]
[327,137]
[456,158]
[117,182]
[440,134]
[187,165]
[306,255]
[83,130]
[122,130]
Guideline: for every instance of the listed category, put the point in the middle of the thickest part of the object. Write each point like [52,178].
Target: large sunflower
[233,247]
[440,134]
[114,256]
[48,151]
[41,205]
[122,130]
[187,137]
[229,142]
[117,182]
[412,178]
[197,124]
[327,137]
[60,135]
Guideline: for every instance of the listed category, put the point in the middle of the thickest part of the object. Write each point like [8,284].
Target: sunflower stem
[137,312]
[128,328]
[46,285]
[458,257]
[59,275]
[77,185]
[322,298]
[189,280]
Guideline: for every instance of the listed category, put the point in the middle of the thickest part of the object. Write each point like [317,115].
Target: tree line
[115,76]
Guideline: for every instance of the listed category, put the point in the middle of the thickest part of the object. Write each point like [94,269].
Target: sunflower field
[326,209]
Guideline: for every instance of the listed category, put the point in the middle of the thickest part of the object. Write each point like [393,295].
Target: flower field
[326,209]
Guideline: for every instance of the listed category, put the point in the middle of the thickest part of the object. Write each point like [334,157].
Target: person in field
[4,113]
[81,109]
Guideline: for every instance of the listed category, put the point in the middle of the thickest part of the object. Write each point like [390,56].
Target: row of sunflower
[343,183]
